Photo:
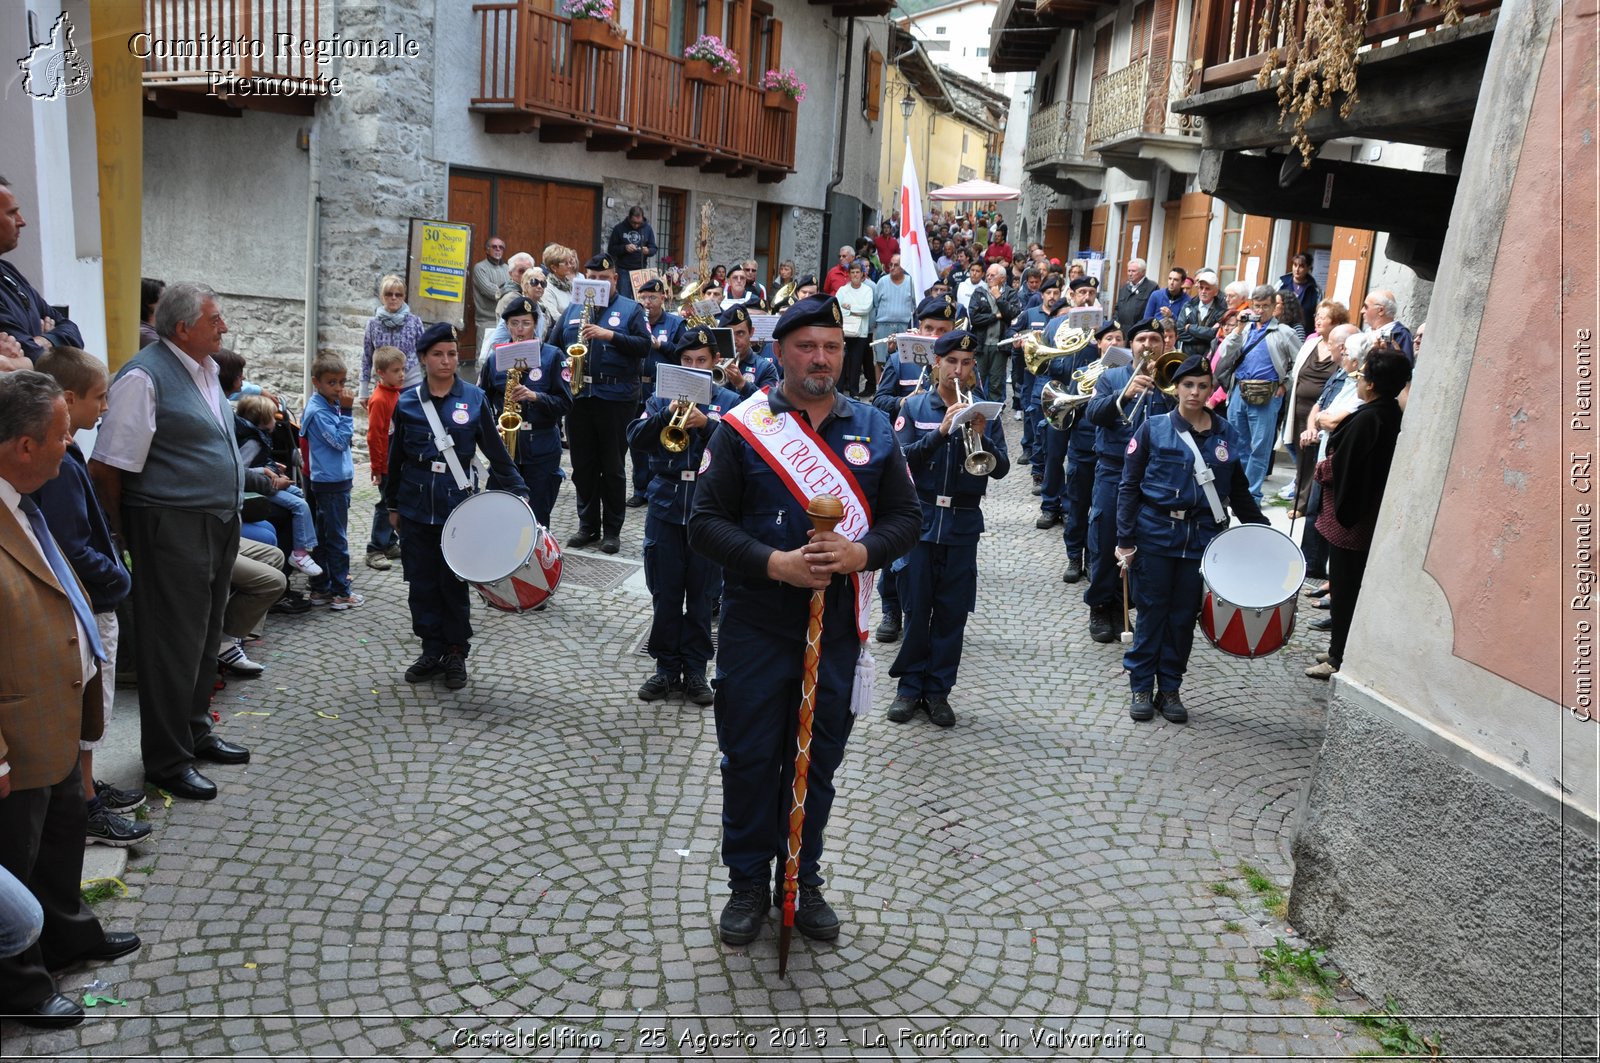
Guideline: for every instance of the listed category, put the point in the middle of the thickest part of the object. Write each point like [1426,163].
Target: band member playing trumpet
[748,372]
[425,484]
[670,437]
[800,439]
[1123,398]
[1179,467]
[1081,465]
[939,587]
[1051,443]
[666,329]
[541,398]
[1033,319]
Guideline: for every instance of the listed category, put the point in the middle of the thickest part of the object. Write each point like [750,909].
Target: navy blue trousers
[543,477]
[441,606]
[1077,497]
[757,712]
[1105,581]
[889,592]
[939,589]
[1052,465]
[1168,592]
[682,585]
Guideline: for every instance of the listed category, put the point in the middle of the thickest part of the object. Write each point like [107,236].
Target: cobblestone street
[529,867]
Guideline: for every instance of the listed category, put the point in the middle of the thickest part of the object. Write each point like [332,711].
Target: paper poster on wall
[1321,259]
[1344,281]
[1133,245]
[1252,271]
[442,263]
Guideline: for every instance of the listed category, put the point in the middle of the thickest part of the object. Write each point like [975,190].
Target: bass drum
[1252,574]
[493,542]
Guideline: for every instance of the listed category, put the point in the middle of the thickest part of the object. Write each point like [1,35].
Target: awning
[976,190]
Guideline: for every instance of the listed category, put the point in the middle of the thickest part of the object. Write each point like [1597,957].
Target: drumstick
[1127,630]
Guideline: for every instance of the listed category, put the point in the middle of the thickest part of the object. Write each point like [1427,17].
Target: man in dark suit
[1134,294]
[50,700]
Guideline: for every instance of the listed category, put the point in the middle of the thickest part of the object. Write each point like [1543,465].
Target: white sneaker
[301,560]
[233,660]
[1017,415]
[346,601]
[1287,492]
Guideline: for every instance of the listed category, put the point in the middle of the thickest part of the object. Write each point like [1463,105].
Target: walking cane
[825,511]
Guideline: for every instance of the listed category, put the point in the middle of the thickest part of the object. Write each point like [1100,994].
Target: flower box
[701,70]
[778,100]
[595,32]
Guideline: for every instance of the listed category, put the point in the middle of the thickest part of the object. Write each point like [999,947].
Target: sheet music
[761,326]
[583,285]
[914,347]
[1087,318]
[987,410]
[675,382]
[1116,356]
[506,354]
[723,338]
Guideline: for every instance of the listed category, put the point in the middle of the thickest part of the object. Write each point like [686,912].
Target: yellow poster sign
[442,263]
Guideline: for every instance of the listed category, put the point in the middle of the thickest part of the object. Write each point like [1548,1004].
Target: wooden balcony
[1233,46]
[1130,124]
[219,78]
[1057,153]
[534,77]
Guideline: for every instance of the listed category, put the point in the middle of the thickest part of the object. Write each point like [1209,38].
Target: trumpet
[1160,367]
[979,462]
[510,411]
[675,437]
[577,352]
[719,372]
[1035,354]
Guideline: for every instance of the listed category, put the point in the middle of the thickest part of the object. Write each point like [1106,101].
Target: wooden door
[1058,234]
[572,217]
[520,215]
[1254,246]
[1135,242]
[653,27]
[1194,226]
[469,203]
[1348,283]
[1169,242]
[1097,229]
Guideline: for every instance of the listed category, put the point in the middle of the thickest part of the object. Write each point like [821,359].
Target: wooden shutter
[1353,246]
[738,38]
[1194,226]
[873,88]
[715,23]
[1102,51]
[1255,242]
[1169,242]
[775,50]
[1057,233]
[1097,228]
[1139,43]
[1137,217]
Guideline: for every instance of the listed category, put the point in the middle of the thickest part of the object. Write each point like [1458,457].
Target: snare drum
[493,542]
[1253,574]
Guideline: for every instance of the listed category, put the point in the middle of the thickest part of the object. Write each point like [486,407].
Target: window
[965,143]
[670,204]
[872,84]
[936,46]
[983,53]
[940,30]
[1232,234]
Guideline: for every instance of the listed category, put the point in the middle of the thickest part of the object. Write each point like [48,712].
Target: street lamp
[907,105]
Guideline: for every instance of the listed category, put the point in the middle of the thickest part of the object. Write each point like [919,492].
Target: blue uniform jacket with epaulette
[420,485]
[951,497]
[758,373]
[1161,506]
[673,476]
[1112,427]
[614,367]
[540,436]
[669,330]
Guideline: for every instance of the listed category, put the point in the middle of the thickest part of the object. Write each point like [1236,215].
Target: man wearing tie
[49,700]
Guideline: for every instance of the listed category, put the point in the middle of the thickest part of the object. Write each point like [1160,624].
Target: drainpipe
[313,252]
[838,155]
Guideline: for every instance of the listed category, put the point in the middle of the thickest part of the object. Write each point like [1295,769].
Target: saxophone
[510,411]
[577,352]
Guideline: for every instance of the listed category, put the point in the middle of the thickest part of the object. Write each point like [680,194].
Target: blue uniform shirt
[669,330]
[1158,482]
[541,420]
[614,367]
[673,476]
[420,485]
[758,373]
[1112,428]
[950,496]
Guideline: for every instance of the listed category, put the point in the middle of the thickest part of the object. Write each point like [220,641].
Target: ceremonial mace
[825,511]
[1127,628]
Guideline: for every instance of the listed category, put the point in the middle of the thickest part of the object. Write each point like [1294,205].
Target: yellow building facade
[947,145]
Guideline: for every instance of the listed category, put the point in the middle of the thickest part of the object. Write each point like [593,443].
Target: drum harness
[1204,477]
[447,445]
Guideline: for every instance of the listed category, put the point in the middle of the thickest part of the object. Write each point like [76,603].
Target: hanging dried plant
[1314,64]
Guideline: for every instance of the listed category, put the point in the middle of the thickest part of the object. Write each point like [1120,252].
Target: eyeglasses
[535,284]
[497,247]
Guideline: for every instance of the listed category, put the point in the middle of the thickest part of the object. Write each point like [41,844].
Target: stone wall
[626,194]
[733,228]
[802,238]
[270,333]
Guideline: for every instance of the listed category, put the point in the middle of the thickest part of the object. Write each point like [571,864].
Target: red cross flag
[915,258]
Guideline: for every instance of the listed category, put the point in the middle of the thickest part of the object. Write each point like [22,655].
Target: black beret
[600,261]
[652,285]
[939,307]
[809,280]
[443,332]
[1082,282]
[1147,325]
[518,308]
[956,340]
[1105,330]
[1194,365]
[694,339]
[821,311]
[734,315]
[1052,281]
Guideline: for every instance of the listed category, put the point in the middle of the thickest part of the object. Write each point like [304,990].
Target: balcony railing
[208,33]
[1134,100]
[1234,46]
[1056,133]
[533,73]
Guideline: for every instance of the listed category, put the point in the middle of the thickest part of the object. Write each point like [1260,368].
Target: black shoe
[114,946]
[1038,488]
[1324,602]
[1074,571]
[217,751]
[888,628]
[743,915]
[903,709]
[656,688]
[454,663]
[117,799]
[813,917]
[697,690]
[293,603]
[424,667]
[584,538]
[610,545]
[1102,628]
[940,712]
[635,501]
[1171,707]
[1322,624]
[108,828]
[1141,708]
[54,1012]
[1048,519]
[186,782]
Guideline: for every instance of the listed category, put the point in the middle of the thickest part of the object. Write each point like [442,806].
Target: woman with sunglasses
[393,325]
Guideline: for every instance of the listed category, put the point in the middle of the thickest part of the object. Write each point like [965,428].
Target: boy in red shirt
[389,369]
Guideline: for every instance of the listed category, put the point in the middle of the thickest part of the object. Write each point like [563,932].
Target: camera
[1249,317]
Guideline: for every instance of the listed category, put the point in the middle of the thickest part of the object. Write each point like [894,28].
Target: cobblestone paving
[529,867]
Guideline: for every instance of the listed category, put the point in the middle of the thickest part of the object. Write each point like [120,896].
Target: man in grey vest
[166,467]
